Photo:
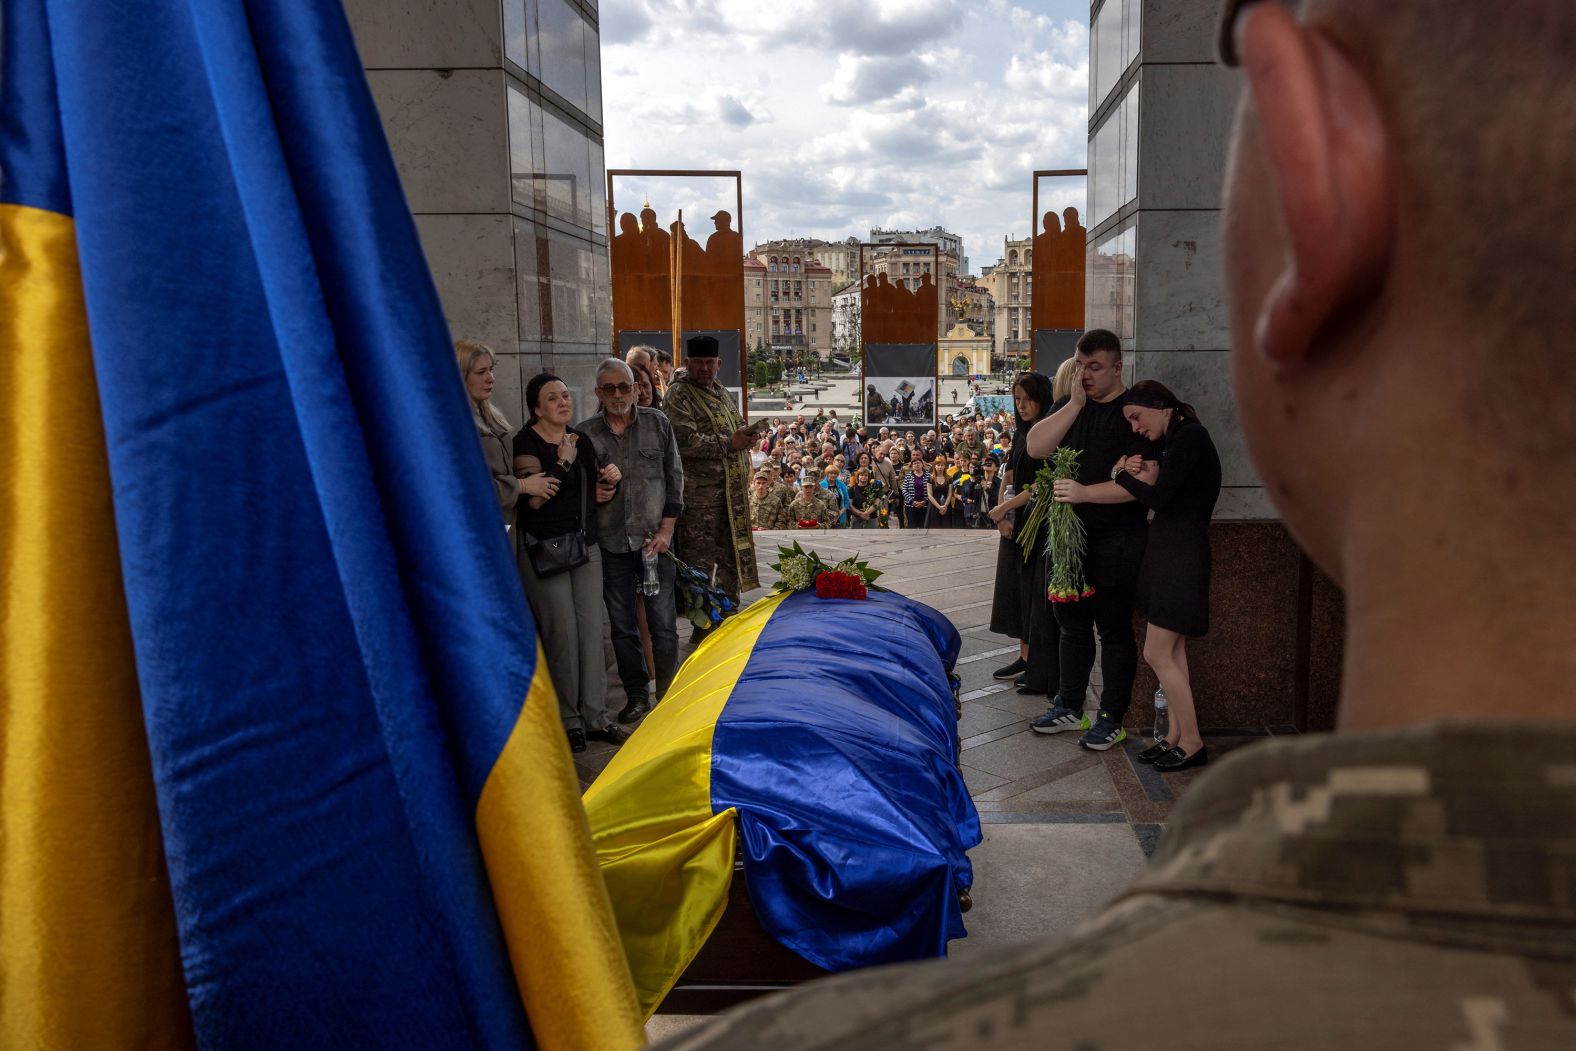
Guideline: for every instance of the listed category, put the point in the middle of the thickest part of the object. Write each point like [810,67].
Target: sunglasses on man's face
[615,388]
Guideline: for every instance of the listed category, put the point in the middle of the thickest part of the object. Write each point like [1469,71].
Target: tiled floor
[1064,828]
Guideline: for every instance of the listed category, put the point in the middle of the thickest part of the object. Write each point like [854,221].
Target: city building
[845,315]
[495,122]
[935,235]
[841,258]
[1159,122]
[788,299]
[1011,283]
[963,352]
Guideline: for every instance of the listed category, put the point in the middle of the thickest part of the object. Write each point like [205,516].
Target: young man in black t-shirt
[1090,420]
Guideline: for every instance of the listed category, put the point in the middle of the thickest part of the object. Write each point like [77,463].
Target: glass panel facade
[1105,48]
[1115,35]
[525,150]
[562,33]
[571,279]
[528,248]
[566,164]
[593,74]
[558,182]
[1113,160]
[1108,299]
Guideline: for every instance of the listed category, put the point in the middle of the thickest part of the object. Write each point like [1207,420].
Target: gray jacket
[653,484]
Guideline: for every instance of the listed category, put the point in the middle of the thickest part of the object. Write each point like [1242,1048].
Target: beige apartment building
[788,299]
[1011,285]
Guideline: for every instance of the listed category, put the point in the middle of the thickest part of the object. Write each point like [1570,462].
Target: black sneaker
[1011,671]
[1105,732]
[1059,719]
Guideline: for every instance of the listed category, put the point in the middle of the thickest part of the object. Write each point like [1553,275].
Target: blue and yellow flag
[817,739]
[281,762]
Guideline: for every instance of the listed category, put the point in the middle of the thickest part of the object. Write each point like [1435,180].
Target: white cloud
[845,116]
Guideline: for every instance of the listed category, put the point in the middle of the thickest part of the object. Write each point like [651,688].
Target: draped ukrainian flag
[830,768]
[281,762]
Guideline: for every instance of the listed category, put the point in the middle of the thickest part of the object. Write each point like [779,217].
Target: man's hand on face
[1077,396]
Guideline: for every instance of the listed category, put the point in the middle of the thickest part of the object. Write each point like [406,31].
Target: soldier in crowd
[1405,388]
[714,527]
[811,504]
[766,502]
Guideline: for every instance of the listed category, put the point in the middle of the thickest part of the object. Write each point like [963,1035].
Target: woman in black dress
[1173,585]
[1018,605]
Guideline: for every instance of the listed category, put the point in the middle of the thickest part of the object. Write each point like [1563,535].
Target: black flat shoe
[633,712]
[1011,671]
[613,734]
[577,740]
[1153,752]
[1032,691]
[1176,759]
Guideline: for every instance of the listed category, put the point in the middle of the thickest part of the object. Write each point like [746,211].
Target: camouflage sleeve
[691,431]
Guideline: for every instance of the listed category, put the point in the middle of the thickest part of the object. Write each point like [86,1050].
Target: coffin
[793,807]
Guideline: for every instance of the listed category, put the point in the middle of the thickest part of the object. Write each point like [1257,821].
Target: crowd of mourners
[665,462]
[825,473]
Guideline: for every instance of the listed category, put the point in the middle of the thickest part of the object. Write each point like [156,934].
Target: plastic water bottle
[1162,715]
[649,584]
[1007,493]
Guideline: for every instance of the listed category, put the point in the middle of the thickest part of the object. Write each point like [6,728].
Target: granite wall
[464,109]
[1272,658]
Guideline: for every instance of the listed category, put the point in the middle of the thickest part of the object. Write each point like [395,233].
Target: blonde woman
[1062,385]
[477,365]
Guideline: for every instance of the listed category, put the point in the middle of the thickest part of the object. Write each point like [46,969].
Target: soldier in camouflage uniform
[714,528]
[767,502]
[1410,881]
[811,504]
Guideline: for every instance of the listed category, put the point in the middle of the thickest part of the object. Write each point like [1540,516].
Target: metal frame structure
[1034,226]
[935,257]
[738,197]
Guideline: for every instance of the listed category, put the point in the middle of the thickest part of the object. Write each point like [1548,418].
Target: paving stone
[1093,783]
[1013,757]
[1037,880]
[978,718]
[980,780]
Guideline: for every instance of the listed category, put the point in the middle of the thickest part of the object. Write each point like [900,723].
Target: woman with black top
[567,604]
[1019,609]
[1173,584]
[990,492]
[940,495]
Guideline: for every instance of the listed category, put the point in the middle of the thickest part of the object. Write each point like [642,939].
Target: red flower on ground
[829,584]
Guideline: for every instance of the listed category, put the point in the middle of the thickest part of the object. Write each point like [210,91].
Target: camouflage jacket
[714,527]
[818,508]
[1403,889]
[769,511]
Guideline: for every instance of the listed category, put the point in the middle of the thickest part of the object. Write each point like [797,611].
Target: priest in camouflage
[713,439]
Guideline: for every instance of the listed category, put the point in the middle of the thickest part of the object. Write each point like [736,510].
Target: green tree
[760,374]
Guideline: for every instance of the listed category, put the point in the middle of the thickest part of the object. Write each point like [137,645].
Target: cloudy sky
[848,114]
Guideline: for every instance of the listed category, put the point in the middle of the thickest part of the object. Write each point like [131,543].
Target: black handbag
[560,554]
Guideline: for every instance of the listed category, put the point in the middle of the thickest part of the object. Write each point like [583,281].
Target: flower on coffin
[833,584]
